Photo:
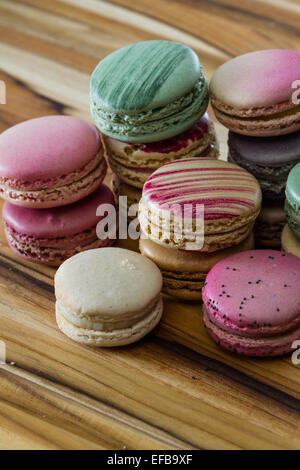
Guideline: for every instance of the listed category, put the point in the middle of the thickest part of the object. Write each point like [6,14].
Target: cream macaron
[108,297]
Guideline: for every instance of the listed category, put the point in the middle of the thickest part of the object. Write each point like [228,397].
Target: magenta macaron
[52,235]
[50,161]
[252,302]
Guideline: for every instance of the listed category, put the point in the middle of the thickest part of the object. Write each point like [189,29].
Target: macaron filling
[86,236]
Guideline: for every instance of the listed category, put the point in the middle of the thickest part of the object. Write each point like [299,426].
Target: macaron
[269,159]
[50,236]
[148,91]
[108,297]
[184,272]
[132,194]
[292,201]
[253,94]
[269,224]
[199,204]
[50,161]
[252,302]
[134,163]
[289,242]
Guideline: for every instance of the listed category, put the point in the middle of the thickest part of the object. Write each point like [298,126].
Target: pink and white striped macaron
[181,195]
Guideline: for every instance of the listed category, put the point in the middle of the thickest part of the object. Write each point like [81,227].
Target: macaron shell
[153,74]
[110,282]
[282,123]
[58,195]
[259,347]
[47,147]
[290,242]
[268,152]
[115,338]
[57,222]
[53,255]
[138,176]
[262,80]
[180,261]
[254,293]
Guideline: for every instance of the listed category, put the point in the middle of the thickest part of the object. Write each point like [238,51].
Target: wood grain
[176,388]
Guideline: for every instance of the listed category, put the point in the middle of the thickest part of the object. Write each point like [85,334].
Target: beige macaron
[108,297]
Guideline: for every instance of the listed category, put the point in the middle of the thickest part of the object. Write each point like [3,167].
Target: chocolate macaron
[269,159]
[269,224]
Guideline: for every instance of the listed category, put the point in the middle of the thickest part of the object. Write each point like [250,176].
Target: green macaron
[148,91]
[292,202]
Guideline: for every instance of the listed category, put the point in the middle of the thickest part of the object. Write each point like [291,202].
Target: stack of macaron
[51,173]
[193,213]
[149,100]
[291,232]
[253,95]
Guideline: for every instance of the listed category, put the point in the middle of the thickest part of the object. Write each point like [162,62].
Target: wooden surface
[175,389]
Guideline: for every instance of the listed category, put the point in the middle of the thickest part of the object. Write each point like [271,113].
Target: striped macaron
[213,197]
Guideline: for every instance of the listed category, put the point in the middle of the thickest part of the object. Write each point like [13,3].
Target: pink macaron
[252,302]
[50,236]
[50,161]
[257,94]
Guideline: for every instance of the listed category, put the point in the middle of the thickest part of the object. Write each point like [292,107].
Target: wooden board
[175,389]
